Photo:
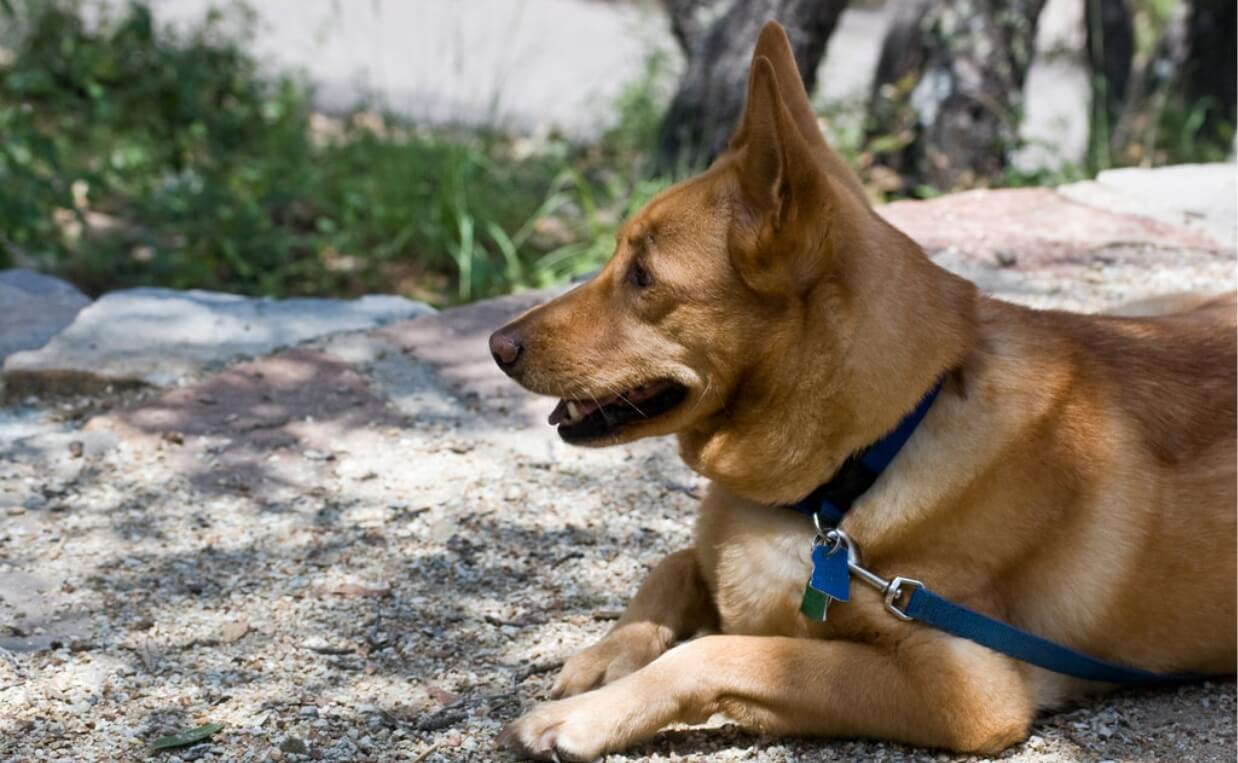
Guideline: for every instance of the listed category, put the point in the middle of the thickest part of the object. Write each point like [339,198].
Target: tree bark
[947,96]
[1211,66]
[1181,102]
[706,107]
[1110,52]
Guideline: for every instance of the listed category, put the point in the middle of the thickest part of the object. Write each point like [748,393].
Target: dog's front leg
[671,604]
[933,691]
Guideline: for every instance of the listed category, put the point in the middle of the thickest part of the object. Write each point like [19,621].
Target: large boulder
[159,336]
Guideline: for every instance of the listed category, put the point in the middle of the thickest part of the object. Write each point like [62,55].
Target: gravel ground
[338,557]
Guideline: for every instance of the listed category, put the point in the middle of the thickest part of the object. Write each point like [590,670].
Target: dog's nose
[505,348]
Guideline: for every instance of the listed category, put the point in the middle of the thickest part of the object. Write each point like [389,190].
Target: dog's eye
[638,276]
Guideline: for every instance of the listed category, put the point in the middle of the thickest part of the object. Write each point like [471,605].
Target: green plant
[135,154]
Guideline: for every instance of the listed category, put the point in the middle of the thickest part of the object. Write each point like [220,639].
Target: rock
[34,308]
[156,337]
[233,631]
[1199,197]
[453,343]
[1024,244]
[1014,221]
[323,646]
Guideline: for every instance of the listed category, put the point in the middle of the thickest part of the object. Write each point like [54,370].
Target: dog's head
[729,312]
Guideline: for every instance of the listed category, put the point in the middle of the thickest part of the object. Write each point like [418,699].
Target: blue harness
[836,560]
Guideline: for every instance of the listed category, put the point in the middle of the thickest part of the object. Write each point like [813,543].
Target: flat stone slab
[454,343]
[158,336]
[34,308]
[1034,226]
[1198,197]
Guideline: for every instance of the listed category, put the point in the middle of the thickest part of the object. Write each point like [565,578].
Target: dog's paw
[560,730]
[623,651]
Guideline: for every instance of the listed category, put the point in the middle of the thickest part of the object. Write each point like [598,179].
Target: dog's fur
[1076,476]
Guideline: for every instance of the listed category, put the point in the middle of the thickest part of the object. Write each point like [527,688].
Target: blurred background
[450,150]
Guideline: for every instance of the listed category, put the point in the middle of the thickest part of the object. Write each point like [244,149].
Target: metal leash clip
[892,591]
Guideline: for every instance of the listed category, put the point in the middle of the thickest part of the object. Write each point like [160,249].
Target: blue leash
[836,561]
[943,614]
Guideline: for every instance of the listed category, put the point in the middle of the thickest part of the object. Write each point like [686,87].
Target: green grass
[136,155]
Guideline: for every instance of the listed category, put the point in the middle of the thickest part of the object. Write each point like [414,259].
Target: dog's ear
[774,45]
[766,145]
[781,186]
[776,238]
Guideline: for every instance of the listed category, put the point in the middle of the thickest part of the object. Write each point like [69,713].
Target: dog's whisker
[708,383]
[617,392]
[633,405]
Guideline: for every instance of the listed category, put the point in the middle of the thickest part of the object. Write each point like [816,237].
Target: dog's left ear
[762,144]
[781,184]
[773,44]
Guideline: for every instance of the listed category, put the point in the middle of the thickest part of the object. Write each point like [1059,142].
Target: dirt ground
[388,571]
[371,547]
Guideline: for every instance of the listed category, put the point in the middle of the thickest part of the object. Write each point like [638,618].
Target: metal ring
[816,520]
[836,538]
[894,592]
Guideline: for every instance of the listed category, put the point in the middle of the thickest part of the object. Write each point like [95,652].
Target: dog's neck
[876,336]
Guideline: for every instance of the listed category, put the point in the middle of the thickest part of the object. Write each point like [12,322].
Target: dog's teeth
[573,414]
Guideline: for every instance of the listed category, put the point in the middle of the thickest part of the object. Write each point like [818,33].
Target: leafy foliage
[137,154]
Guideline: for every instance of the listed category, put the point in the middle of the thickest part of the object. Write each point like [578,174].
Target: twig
[456,711]
[520,676]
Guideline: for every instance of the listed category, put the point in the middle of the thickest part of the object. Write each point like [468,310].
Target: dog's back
[1174,373]
[1144,420]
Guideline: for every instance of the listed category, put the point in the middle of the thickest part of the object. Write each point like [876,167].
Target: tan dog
[1075,477]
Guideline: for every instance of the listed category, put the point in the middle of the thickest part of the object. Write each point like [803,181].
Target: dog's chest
[757,561]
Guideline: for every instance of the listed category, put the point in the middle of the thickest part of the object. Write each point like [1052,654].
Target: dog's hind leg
[931,690]
[672,603]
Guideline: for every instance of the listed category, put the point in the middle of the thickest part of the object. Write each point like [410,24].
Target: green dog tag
[814,604]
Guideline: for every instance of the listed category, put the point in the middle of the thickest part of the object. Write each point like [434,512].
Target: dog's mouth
[596,418]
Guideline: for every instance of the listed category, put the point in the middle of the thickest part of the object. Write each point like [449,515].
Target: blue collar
[858,473]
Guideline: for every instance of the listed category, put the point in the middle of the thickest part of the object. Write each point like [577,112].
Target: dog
[1074,476]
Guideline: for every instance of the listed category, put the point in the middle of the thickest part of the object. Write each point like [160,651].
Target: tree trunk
[710,98]
[1181,103]
[1212,65]
[947,95]
[1110,51]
